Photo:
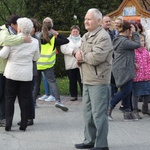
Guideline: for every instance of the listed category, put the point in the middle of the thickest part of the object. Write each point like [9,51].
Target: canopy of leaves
[61,11]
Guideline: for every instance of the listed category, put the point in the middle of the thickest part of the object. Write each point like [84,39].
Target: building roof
[145,4]
[142,8]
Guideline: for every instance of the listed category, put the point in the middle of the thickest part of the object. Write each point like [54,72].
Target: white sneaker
[42,98]
[110,118]
[61,106]
[50,99]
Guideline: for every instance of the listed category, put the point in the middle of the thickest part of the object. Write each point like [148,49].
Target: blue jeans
[124,94]
[50,76]
[114,89]
[46,85]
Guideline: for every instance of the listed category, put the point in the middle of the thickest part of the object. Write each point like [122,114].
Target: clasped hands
[78,56]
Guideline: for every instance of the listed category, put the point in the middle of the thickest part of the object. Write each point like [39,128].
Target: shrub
[60,64]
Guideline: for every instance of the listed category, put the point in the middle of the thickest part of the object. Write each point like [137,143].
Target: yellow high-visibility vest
[48,55]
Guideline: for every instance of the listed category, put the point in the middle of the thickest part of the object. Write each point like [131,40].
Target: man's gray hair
[97,13]
[25,25]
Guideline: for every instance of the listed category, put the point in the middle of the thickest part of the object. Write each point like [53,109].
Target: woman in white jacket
[19,73]
[70,62]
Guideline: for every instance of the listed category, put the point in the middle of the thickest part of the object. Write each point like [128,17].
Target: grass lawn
[63,86]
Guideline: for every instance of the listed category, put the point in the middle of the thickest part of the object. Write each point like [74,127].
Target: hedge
[60,64]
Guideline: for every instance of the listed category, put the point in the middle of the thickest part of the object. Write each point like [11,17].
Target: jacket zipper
[95,70]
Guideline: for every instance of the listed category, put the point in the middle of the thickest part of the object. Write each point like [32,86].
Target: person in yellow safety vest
[49,40]
[48,55]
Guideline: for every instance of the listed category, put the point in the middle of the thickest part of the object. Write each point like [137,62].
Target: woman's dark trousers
[74,79]
[2,97]
[24,92]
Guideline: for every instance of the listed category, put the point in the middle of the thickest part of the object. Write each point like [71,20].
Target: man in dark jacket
[107,23]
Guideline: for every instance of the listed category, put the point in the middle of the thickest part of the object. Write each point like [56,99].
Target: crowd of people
[111,64]
[130,68]
[21,69]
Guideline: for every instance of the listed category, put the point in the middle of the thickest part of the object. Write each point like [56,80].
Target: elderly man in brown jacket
[95,60]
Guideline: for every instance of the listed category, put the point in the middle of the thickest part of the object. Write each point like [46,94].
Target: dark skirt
[141,88]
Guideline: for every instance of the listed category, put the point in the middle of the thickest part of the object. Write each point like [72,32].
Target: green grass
[63,86]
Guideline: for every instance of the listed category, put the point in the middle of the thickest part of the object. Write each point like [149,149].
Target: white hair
[96,12]
[25,25]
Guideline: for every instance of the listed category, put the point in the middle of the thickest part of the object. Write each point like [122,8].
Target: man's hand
[27,39]
[78,56]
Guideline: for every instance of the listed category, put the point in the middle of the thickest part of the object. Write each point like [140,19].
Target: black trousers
[2,97]
[22,90]
[74,78]
[31,113]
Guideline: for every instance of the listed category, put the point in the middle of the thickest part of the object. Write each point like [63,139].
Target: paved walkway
[58,130]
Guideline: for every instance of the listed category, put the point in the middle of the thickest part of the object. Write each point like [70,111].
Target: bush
[60,64]
[65,33]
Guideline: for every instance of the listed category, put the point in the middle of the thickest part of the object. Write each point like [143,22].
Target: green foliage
[61,11]
[9,7]
[60,64]
[63,86]
[65,33]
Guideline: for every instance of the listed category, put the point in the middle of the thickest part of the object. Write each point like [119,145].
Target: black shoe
[7,128]
[61,106]
[140,99]
[83,146]
[102,148]
[22,128]
[73,99]
[3,123]
[29,123]
[19,123]
[129,116]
